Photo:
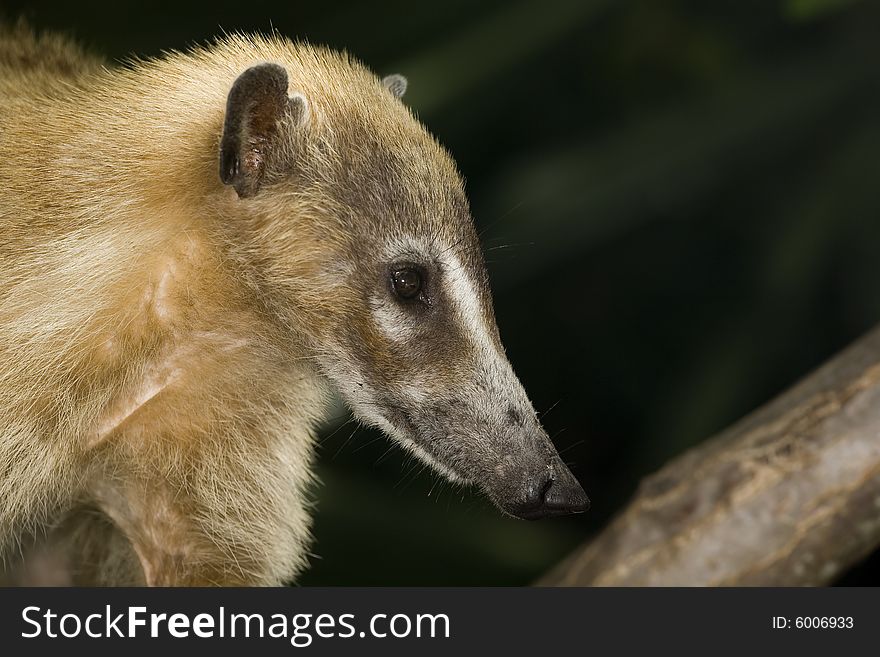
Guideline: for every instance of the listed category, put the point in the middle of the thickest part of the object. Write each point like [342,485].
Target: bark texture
[790,495]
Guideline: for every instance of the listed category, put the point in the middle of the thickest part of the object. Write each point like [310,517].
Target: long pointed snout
[553,491]
[493,440]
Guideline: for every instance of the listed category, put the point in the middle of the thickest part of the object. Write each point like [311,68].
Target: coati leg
[173,548]
[83,549]
[97,552]
[213,513]
[209,515]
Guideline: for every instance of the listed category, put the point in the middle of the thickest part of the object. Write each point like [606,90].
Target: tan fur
[143,369]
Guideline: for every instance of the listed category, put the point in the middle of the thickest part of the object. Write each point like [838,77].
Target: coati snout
[384,280]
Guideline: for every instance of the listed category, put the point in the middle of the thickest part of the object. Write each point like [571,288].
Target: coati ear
[256,106]
[396,84]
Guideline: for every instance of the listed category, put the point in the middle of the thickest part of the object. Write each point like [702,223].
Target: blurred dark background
[680,208]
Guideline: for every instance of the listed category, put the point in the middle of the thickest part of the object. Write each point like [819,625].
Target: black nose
[552,494]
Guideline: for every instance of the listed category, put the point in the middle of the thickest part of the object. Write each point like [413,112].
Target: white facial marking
[391,319]
[464,295]
[470,311]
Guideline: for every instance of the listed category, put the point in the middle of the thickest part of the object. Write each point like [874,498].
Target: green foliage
[811,9]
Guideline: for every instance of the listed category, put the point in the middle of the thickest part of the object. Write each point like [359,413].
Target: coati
[194,250]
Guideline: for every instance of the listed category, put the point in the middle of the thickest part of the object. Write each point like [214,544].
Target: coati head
[359,223]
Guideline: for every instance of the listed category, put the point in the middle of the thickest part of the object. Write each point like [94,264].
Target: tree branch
[788,496]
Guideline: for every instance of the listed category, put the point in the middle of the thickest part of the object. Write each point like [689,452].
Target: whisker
[384,456]
[499,218]
[543,413]
[369,442]
[346,441]
[326,438]
[410,474]
[572,446]
[508,246]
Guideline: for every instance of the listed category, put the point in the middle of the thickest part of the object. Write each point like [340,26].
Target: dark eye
[407,282]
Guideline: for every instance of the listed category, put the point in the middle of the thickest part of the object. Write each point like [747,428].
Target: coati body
[169,333]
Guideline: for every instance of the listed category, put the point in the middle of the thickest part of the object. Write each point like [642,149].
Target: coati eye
[407,282]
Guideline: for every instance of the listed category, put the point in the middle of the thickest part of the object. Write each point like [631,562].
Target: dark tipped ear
[255,108]
[396,84]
